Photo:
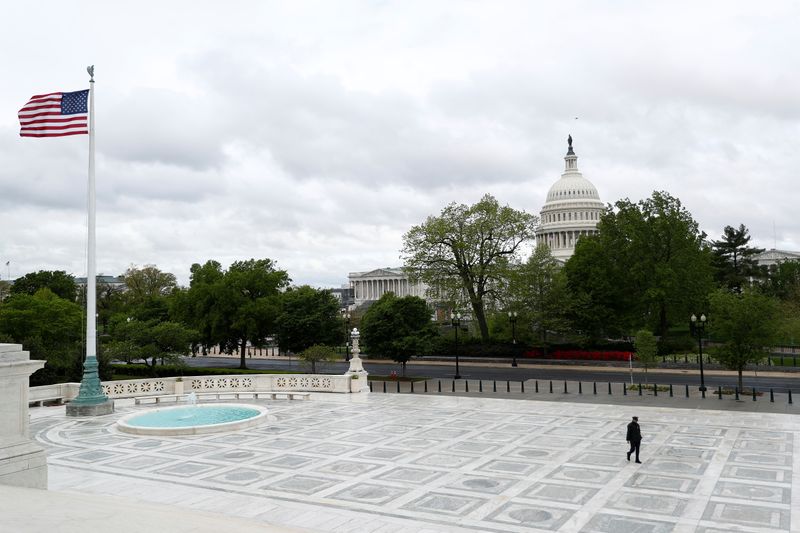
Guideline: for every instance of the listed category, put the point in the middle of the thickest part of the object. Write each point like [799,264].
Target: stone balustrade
[133,388]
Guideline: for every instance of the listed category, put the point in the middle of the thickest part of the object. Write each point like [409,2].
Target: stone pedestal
[356,366]
[22,461]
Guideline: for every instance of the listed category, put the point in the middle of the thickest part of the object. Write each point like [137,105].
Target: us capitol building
[572,210]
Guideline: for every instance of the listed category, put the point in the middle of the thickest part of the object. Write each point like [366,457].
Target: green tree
[48,326]
[647,266]
[317,354]
[537,290]
[147,283]
[783,281]
[233,307]
[58,281]
[468,250]
[646,349]
[733,258]
[745,324]
[149,340]
[398,328]
[309,316]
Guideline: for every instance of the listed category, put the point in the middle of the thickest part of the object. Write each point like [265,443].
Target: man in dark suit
[634,436]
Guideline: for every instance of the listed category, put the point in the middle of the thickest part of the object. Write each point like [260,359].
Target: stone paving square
[414,463]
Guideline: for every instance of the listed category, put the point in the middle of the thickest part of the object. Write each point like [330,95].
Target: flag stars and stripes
[55,115]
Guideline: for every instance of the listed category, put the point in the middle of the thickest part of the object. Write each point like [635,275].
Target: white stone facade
[371,285]
[572,210]
[773,257]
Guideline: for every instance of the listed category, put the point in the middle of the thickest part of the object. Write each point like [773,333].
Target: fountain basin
[193,419]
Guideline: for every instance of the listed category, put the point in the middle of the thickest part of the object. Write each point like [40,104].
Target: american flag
[55,115]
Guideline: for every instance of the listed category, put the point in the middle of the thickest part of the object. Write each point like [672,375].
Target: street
[501,372]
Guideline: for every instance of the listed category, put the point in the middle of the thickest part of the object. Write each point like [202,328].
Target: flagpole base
[97,409]
[91,400]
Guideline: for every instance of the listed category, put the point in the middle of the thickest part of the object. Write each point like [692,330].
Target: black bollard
[594,388]
[440,385]
[687,391]
[454,385]
[719,392]
[771,396]
[384,386]
[790,396]
[466,385]
[536,383]
[494,386]
[480,385]
[609,388]
[370,386]
[670,390]
[508,386]
[580,387]
[412,386]
[398,386]
[655,389]
[736,393]
[703,393]
[565,388]
[551,386]
[426,385]
[522,387]
[624,389]
[640,389]
[754,394]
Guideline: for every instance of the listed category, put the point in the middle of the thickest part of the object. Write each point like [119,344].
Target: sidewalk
[584,392]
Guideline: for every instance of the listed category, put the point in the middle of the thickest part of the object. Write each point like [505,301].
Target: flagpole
[91,399]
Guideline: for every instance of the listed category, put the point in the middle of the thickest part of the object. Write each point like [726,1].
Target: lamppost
[698,327]
[512,316]
[456,321]
[346,317]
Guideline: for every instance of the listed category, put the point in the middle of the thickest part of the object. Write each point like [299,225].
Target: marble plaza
[429,463]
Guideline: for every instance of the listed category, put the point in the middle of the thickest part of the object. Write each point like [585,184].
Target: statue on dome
[569,140]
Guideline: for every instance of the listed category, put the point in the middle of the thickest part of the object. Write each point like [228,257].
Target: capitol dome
[572,210]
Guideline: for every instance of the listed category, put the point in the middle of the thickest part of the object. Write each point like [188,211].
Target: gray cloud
[317,133]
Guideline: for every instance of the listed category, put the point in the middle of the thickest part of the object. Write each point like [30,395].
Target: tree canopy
[733,258]
[147,283]
[467,250]
[537,291]
[398,328]
[745,324]
[233,307]
[309,316]
[647,266]
[59,282]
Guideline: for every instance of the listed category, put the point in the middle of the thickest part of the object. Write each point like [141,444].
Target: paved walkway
[589,392]
[383,463]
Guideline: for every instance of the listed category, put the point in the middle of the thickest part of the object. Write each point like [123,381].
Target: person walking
[634,436]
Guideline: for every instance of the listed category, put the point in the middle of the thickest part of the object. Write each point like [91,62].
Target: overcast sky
[317,133]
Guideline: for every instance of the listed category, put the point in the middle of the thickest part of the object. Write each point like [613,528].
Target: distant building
[371,285]
[772,257]
[571,211]
[115,282]
[345,296]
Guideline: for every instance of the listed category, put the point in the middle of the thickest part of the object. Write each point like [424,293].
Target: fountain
[193,419]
